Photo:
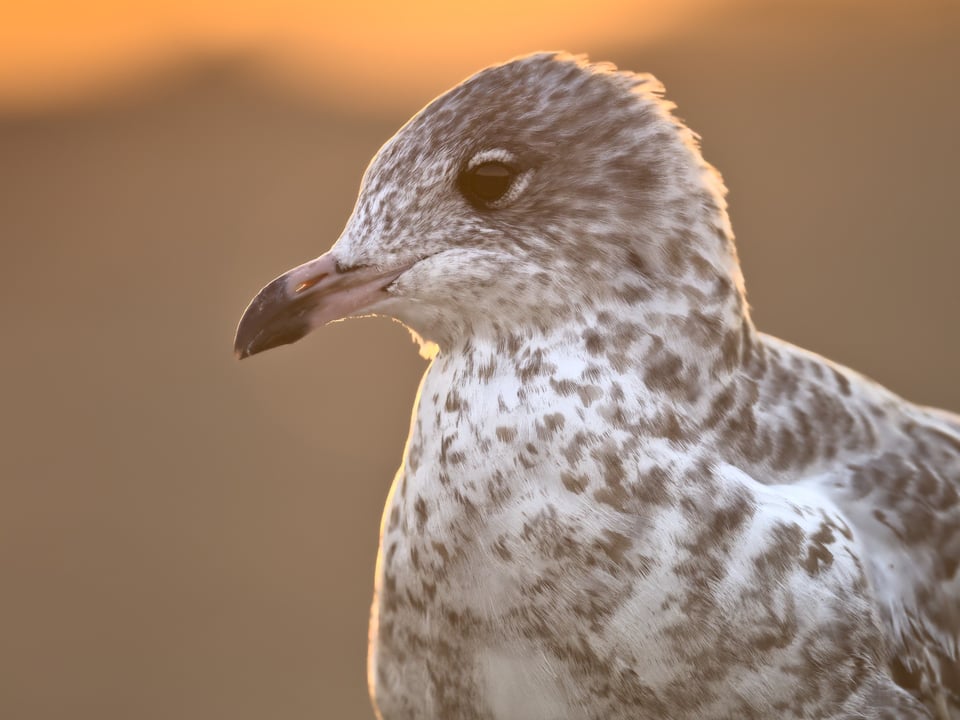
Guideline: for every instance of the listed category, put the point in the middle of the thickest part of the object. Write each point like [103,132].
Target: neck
[673,347]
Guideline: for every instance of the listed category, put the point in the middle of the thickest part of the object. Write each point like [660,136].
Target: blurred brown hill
[185,536]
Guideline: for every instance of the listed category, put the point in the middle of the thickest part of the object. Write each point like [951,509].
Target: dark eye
[487,182]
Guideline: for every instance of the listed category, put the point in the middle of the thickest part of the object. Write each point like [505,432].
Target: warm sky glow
[53,49]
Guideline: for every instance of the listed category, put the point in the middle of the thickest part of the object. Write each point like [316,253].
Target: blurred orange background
[366,53]
[185,536]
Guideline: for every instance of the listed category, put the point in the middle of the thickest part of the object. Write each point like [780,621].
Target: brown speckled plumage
[618,500]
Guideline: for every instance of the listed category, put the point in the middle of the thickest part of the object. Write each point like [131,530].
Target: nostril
[309,283]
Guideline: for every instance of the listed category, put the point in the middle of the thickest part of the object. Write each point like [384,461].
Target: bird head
[531,191]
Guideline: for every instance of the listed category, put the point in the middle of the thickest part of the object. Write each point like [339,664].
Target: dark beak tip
[266,321]
[258,332]
[245,340]
[278,314]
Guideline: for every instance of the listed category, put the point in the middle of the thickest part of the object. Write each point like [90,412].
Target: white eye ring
[492,155]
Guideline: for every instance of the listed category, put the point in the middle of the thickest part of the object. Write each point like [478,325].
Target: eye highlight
[484,183]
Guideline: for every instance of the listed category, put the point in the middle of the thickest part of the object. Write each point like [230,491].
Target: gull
[619,500]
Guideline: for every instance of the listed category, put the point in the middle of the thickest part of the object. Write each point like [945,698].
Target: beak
[307,297]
